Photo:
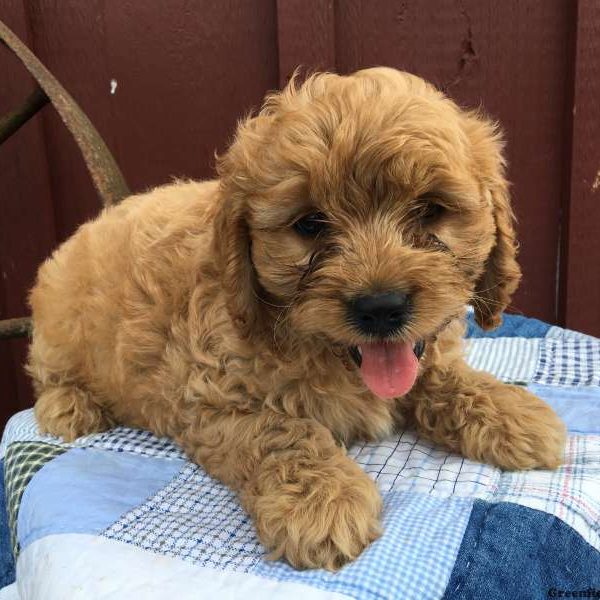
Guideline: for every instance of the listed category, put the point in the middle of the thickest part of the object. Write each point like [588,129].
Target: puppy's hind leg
[64,407]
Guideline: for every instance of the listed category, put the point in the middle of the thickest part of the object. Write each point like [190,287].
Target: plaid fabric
[571,492]
[22,461]
[572,361]
[194,518]
[407,463]
[513,360]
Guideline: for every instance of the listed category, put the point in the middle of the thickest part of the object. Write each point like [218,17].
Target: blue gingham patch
[572,361]
[413,559]
[136,441]
[195,518]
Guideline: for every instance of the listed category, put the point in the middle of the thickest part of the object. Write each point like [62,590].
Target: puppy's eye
[311,225]
[431,212]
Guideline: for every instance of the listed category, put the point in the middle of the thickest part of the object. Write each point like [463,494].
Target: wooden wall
[164,83]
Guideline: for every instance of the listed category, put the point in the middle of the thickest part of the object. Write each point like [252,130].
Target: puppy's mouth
[388,369]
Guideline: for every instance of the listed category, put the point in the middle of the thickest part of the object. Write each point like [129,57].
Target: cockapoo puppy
[312,296]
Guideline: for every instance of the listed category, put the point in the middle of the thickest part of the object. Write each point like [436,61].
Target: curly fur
[196,311]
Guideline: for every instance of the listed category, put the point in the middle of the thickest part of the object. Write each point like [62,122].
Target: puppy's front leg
[310,503]
[474,414]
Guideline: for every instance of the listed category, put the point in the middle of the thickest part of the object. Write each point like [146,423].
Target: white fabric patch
[10,592]
[82,567]
[567,334]
[512,360]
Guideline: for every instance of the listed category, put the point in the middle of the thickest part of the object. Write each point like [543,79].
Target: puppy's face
[367,211]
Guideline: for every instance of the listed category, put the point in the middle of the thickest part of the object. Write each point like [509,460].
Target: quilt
[123,514]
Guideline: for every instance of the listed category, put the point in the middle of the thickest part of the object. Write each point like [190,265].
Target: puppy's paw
[320,516]
[526,434]
[69,412]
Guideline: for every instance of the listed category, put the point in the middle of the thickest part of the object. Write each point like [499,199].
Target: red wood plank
[9,397]
[185,73]
[27,232]
[164,85]
[71,43]
[580,285]
[510,57]
[306,36]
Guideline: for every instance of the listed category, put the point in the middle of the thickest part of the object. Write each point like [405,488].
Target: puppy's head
[367,211]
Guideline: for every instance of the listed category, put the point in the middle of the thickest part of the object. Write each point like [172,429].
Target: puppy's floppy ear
[239,175]
[501,273]
[238,277]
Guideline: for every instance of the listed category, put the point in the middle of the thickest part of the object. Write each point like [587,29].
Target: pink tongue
[389,370]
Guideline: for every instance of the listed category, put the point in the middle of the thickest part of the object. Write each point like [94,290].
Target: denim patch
[7,564]
[512,326]
[510,551]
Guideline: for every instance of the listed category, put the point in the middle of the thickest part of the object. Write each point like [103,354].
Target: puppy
[313,296]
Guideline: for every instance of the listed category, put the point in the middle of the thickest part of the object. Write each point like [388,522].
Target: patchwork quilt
[123,514]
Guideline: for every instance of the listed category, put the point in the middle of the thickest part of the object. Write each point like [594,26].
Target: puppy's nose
[380,314]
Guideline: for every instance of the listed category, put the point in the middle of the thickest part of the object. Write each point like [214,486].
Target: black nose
[380,314]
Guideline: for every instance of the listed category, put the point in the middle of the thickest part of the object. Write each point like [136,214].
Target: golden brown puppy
[312,296]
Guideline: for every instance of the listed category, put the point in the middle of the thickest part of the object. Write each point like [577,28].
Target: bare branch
[15,119]
[106,175]
[14,328]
